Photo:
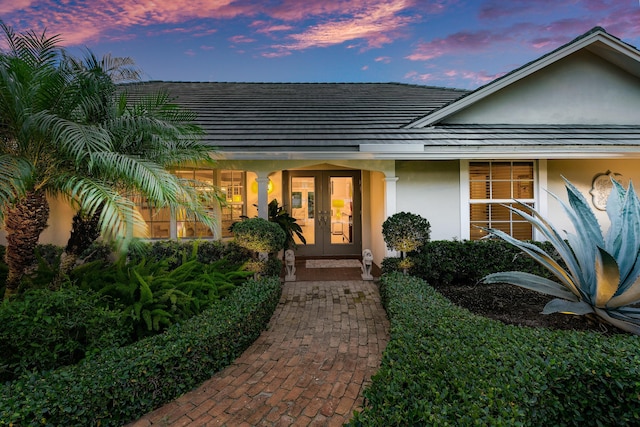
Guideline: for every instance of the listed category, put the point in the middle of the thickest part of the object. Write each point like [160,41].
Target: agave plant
[601,277]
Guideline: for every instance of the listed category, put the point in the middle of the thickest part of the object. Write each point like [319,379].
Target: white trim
[542,197]
[465,218]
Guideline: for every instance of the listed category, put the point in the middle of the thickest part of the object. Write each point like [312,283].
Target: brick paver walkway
[308,368]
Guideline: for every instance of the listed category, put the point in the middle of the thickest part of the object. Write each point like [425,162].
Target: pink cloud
[88,21]
[373,24]
[241,39]
[383,59]
[450,76]
[457,43]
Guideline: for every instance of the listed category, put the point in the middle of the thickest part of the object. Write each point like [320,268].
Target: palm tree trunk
[23,222]
[84,231]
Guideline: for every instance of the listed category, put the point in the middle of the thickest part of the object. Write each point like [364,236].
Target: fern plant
[602,274]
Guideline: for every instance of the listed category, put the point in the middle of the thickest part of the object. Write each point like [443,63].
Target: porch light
[254,187]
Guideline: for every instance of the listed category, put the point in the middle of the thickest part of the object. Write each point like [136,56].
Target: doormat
[333,263]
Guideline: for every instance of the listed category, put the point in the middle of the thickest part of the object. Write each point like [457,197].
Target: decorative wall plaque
[601,188]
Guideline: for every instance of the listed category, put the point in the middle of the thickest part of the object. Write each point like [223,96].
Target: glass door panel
[326,205]
[303,207]
[341,210]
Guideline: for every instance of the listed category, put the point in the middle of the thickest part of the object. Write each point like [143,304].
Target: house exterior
[341,158]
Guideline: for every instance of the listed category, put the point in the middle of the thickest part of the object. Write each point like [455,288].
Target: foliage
[467,262]
[259,235]
[42,330]
[205,251]
[439,369]
[602,274]
[154,296]
[68,130]
[405,232]
[120,385]
[288,224]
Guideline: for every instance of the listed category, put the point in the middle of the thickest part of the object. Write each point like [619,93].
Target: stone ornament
[290,265]
[367,263]
[601,188]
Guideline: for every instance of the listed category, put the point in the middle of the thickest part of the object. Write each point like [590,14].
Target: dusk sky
[452,43]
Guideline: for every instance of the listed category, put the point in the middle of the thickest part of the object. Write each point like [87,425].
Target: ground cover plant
[446,366]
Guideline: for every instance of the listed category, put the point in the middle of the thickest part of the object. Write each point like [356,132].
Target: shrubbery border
[445,366]
[122,384]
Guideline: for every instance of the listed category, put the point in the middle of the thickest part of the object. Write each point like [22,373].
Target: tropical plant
[66,132]
[154,296]
[288,224]
[150,135]
[601,278]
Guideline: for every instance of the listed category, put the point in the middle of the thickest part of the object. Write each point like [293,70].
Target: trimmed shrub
[120,385]
[405,232]
[259,235]
[43,329]
[467,262]
[445,366]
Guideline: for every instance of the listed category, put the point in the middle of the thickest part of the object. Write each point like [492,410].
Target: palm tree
[38,136]
[66,132]
[150,135]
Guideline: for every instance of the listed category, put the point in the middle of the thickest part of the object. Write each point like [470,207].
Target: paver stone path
[308,368]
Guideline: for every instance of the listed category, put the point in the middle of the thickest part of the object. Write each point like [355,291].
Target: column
[390,204]
[263,194]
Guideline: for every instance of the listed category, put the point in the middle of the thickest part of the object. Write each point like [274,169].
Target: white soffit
[599,42]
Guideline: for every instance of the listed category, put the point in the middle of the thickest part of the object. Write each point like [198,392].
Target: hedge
[445,366]
[467,262]
[122,384]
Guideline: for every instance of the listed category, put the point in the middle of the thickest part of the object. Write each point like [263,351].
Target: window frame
[538,202]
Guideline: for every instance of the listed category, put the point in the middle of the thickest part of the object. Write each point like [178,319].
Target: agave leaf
[608,278]
[533,282]
[570,307]
[582,217]
[620,321]
[627,243]
[542,258]
[630,296]
[563,249]
[630,312]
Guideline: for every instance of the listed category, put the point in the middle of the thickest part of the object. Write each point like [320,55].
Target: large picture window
[160,222]
[494,185]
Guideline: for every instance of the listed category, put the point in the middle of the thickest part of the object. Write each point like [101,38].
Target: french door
[326,205]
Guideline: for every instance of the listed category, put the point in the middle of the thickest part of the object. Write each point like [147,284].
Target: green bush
[467,262]
[445,366]
[120,385]
[405,232]
[43,329]
[175,252]
[259,235]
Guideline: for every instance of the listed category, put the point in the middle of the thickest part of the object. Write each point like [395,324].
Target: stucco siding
[431,189]
[581,174]
[580,89]
[58,225]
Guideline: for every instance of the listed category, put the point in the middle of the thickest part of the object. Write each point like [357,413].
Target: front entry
[326,205]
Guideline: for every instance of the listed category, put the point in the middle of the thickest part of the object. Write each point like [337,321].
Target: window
[492,185]
[189,227]
[232,186]
[160,221]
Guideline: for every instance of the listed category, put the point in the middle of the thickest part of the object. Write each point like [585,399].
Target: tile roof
[342,120]
[236,115]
